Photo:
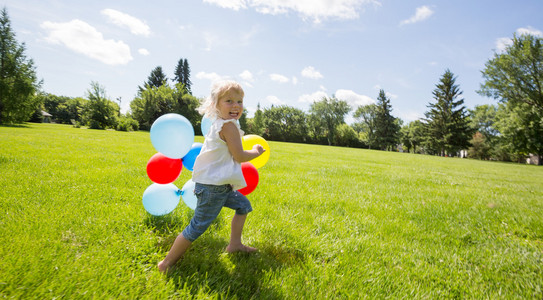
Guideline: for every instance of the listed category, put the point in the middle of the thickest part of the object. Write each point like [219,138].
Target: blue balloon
[172,135]
[187,192]
[206,125]
[190,158]
[161,199]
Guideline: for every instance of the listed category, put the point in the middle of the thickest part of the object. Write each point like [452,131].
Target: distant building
[534,160]
[46,117]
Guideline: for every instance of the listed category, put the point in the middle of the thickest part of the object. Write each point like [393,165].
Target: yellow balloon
[248,141]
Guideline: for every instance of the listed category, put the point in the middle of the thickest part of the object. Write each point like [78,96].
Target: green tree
[156,79]
[405,138]
[157,101]
[101,113]
[243,119]
[515,77]
[326,115]
[65,110]
[479,147]
[447,123]
[416,134]
[186,106]
[347,136]
[366,116]
[386,126]
[152,103]
[182,74]
[284,123]
[18,80]
[257,124]
[482,120]
[521,129]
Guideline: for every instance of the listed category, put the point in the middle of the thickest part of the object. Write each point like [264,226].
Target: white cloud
[530,30]
[246,75]
[316,10]
[143,51]
[275,101]
[353,98]
[135,25]
[422,13]
[310,98]
[294,80]
[210,76]
[279,78]
[231,4]
[85,39]
[310,72]
[502,43]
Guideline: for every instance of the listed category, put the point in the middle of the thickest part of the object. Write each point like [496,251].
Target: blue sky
[282,51]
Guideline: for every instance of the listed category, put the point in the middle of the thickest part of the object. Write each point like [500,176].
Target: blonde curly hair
[209,106]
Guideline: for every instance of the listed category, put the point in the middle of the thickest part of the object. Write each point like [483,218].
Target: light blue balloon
[161,199]
[206,125]
[172,135]
[190,158]
[187,192]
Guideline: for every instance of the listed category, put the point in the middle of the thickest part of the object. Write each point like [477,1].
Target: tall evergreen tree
[179,76]
[386,126]
[182,74]
[18,80]
[447,124]
[156,79]
[186,75]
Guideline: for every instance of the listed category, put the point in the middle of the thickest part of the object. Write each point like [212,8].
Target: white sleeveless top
[215,165]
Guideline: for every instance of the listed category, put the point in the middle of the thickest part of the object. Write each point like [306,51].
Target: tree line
[510,130]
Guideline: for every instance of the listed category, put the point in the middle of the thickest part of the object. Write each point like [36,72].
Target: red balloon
[162,169]
[250,173]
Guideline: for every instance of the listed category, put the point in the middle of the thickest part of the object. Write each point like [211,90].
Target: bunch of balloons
[172,136]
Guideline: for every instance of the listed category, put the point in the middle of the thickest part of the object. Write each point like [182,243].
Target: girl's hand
[259,149]
[230,134]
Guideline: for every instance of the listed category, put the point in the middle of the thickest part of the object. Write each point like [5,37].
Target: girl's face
[230,105]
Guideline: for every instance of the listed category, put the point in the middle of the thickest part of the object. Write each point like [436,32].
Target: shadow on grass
[15,125]
[168,227]
[208,268]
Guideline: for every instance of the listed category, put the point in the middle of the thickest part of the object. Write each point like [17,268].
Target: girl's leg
[177,251]
[235,237]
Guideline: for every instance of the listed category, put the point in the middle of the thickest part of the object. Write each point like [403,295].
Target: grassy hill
[329,222]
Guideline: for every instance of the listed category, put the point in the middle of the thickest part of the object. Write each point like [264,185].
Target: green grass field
[329,222]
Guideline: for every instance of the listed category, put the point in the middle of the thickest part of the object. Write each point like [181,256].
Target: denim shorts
[211,199]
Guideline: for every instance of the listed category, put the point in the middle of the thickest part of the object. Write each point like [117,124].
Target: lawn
[329,222]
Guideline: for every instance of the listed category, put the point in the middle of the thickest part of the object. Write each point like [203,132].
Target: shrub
[127,124]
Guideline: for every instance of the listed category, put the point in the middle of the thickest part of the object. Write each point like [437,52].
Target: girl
[217,172]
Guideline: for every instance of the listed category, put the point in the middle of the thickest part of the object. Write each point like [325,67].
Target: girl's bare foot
[240,248]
